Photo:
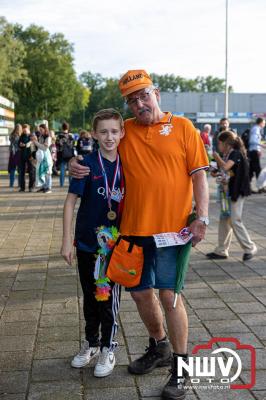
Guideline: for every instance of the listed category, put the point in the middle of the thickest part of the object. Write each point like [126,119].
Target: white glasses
[144,96]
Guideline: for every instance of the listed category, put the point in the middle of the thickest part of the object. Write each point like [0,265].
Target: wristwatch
[205,220]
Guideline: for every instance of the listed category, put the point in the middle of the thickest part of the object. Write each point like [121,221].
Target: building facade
[204,108]
[7,123]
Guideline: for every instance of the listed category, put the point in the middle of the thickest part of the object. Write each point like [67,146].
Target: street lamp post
[226,61]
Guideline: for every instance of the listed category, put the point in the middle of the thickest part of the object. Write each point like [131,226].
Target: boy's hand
[67,251]
[77,170]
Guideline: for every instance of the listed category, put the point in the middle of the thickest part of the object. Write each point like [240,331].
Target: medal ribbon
[116,174]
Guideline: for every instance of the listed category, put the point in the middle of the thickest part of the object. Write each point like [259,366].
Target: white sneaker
[105,363]
[85,355]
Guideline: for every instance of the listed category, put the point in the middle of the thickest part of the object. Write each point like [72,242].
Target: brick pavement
[41,322]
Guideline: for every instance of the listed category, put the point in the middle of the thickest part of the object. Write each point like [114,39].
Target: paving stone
[262,299]
[199,293]
[123,393]
[28,276]
[121,355]
[55,391]
[58,333]
[253,283]
[137,345]
[18,328]
[119,376]
[18,316]
[260,379]
[259,395]
[28,285]
[15,361]
[14,382]
[206,303]
[128,305]
[151,385]
[259,331]
[17,343]
[64,289]
[58,297]
[132,316]
[59,320]
[194,322]
[54,370]
[225,287]
[247,308]
[214,314]
[17,396]
[57,349]
[229,327]
[198,334]
[23,304]
[224,395]
[6,282]
[135,329]
[237,296]
[68,307]
[254,320]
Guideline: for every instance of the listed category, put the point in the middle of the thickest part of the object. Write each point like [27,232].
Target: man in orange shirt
[164,160]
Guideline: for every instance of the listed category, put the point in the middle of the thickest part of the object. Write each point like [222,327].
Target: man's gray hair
[207,128]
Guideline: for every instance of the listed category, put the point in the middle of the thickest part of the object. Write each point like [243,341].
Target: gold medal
[111,215]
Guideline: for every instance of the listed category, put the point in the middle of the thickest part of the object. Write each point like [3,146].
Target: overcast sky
[184,37]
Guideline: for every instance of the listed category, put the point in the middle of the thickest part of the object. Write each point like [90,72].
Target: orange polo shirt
[158,162]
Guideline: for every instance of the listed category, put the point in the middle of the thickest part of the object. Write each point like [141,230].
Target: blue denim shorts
[160,266]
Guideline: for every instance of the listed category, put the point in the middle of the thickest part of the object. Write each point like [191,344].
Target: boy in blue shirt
[101,196]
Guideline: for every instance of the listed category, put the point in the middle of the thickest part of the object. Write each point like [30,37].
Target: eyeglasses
[142,97]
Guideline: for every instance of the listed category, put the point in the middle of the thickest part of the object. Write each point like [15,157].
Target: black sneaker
[214,256]
[175,387]
[158,354]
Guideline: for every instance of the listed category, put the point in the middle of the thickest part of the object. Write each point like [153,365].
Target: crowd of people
[140,179]
[43,154]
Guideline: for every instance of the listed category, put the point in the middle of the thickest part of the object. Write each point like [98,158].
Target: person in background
[224,125]
[84,143]
[13,162]
[25,164]
[254,148]
[44,170]
[234,164]
[205,136]
[65,150]
[53,151]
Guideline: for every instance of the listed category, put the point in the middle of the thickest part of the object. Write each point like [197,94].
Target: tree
[104,94]
[175,83]
[12,55]
[52,90]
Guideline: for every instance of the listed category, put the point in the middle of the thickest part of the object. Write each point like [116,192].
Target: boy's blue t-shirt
[93,208]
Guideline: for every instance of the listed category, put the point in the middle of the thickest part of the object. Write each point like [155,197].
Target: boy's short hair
[259,120]
[65,126]
[25,126]
[108,113]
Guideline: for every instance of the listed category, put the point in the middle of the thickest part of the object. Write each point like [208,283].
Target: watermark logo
[223,364]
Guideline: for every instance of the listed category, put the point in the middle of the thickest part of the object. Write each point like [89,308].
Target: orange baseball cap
[134,80]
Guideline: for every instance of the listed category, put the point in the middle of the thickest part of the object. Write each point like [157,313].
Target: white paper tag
[168,239]
[97,267]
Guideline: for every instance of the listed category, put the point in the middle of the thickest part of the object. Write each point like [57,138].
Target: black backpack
[67,151]
[245,138]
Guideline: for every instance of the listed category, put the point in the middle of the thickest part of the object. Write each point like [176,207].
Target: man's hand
[77,170]
[67,251]
[198,229]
